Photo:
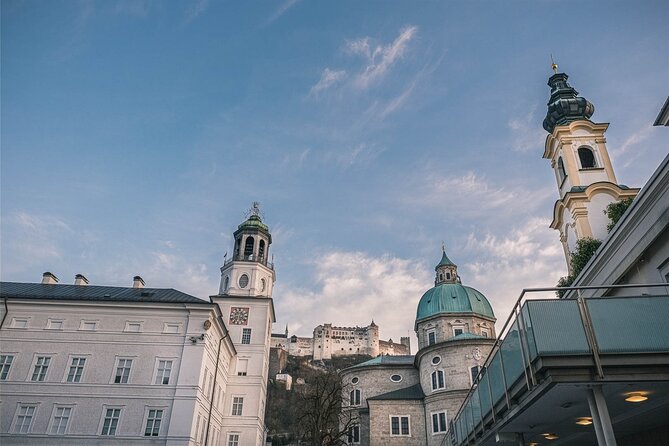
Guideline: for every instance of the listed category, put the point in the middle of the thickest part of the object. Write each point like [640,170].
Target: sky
[136,134]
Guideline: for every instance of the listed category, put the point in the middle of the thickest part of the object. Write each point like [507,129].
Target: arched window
[587,158]
[227,283]
[441,276]
[238,244]
[561,172]
[355,397]
[248,247]
[438,380]
[261,250]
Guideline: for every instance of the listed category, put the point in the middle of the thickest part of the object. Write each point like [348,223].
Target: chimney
[80,279]
[137,282]
[49,279]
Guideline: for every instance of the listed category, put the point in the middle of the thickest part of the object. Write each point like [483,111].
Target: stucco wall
[380,413]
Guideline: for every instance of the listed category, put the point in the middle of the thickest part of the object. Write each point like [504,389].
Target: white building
[83,364]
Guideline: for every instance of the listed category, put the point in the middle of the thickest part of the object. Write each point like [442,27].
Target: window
[76,370]
[438,380]
[474,371]
[233,439]
[153,423]
[354,434]
[237,405]
[41,367]
[562,174]
[587,158]
[448,276]
[355,380]
[248,248]
[54,324]
[246,335]
[5,365]
[243,281]
[111,421]
[122,371]
[61,417]
[355,397]
[431,337]
[24,419]
[19,323]
[399,425]
[88,325]
[133,327]
[227,283]
[436,360]
[396,378]
[439,422]
[242,366]
[458,330]
[163,372]
[261,250]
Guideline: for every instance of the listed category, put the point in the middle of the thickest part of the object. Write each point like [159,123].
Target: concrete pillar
[601,419]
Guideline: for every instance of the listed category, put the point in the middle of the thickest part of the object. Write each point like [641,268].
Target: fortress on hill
[329,341]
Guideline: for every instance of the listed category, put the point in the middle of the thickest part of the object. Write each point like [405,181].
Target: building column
[600,417]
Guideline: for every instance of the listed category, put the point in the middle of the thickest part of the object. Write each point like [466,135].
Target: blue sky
[135,134]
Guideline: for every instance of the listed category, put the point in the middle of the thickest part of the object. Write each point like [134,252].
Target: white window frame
[69,366]
[105,408]
[138,324]
[355,397]
[17,414]
[234,405]
[52,421]
[145,423]
[436,373]
[168,325]
[33,366]
[244,332]
[156,370]
[117,363]
[52,324]
[233,442]
[84,322]
[459,327]
[350,437]
[242,371]
[433,332]
[439,431]
[471,376]
[20,323]
[400,434]
[7,365]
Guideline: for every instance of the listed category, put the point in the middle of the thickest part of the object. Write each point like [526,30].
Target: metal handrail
[516,314]
[250,258]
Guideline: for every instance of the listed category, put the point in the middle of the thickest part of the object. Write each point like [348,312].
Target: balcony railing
[250,258]
[586,328]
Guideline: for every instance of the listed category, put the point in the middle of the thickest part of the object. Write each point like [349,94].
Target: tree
[585,249]
[616,210]
[319,411]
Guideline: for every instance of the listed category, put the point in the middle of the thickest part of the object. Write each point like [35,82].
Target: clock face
[239,316]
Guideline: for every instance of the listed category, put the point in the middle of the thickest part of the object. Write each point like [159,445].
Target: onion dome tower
[586,182]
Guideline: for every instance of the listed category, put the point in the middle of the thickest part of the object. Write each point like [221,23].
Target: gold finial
[554,66]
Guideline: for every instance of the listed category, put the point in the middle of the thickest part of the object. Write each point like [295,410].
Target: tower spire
[554,66]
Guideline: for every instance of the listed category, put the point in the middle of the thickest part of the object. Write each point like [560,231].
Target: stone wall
[379,427]
[278,358]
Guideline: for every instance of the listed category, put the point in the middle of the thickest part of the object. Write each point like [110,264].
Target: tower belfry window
[561,172]
[248,247]
[587,158]
[261,250]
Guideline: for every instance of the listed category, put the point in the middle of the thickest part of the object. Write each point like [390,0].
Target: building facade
[83,364]
[407,400]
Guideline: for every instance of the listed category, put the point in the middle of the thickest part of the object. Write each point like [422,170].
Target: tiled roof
[414,392]
[387,360]
[15,290]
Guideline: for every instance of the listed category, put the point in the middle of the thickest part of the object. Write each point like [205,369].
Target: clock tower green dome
[449,295]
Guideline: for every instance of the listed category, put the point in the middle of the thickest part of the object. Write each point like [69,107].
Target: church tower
[245,301]
[576,148]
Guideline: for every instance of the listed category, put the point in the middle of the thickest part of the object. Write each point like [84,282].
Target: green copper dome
[253,221]
[453,298]
[445,261]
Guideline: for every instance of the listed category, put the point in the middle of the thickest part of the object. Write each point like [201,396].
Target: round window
[396,378]
[355,380]
[262,284]
[436,360]
[243,281]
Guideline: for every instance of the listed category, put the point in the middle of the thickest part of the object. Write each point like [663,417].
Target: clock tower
[245,301]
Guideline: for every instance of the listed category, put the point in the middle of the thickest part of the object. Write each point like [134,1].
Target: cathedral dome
[453,298]
[252,222]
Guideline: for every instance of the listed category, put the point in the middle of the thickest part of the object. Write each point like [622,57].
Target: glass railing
[589,327]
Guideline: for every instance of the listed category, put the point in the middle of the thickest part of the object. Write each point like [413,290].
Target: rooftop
[414,392]
[387,360]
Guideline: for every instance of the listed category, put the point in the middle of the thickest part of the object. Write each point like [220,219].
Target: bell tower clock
[245,301]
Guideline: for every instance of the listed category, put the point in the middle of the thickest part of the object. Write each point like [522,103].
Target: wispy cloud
[360,154]
[281,10]
[328,79]
[195,8]
[527,134]
[379,58]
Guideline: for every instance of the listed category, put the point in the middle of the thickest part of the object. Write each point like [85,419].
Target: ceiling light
[550,436]
[636,397]
[533,444]
[584,421]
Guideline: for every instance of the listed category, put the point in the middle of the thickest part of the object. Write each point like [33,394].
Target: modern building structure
[408,400]
[83,364]
[593,367]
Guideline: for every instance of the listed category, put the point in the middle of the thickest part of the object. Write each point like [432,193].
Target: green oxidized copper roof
[453,298]
[445,261]
[254,221]
[387,360]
